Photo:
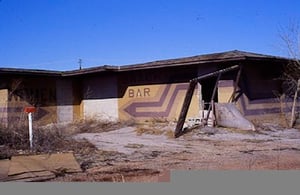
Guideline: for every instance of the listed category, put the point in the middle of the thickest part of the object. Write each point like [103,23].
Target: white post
[30,128]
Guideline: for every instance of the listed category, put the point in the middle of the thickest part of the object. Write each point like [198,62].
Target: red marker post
[29,111]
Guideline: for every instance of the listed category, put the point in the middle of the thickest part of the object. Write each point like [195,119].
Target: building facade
[142,92]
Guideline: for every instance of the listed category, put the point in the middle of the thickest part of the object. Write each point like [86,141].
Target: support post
[212,98]
[29,111]
[236,83]
[30,128]
[185,108]
[188,97]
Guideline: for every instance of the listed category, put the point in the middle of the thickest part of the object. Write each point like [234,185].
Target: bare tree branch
[290,37]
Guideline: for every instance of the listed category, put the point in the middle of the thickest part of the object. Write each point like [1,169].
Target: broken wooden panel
[33,176]
[4,167]
[41,167]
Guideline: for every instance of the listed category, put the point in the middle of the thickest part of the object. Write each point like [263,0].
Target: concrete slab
[126,140]
[228,115]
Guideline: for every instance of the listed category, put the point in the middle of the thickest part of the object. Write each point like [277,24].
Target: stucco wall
[34,91]
[225,90]
[3,107]
[135,94]
[163,101]
[64,96]
[100,99]
[101,109]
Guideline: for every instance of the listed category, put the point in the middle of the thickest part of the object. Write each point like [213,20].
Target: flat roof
[228,56]
[21,71]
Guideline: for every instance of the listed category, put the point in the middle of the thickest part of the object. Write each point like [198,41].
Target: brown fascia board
[229,56]
[33,72]
[268,58]
[105,68]
[145,66]
[201,59]
[155,66]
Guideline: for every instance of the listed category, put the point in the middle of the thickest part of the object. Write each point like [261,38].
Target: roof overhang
[224,57]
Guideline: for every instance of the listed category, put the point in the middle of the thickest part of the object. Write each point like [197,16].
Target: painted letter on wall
[155,101]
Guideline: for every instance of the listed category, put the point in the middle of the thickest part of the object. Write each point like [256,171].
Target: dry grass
[281,120]
[155,126]
[57,138]
[96,126]
[15,138]
[256,140]
[156,120]
[52,138]
[170,134]
[148,130]
[113,174]
[245,132]
[153,131]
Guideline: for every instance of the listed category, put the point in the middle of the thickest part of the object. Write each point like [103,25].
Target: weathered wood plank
[188,97]
[185,108]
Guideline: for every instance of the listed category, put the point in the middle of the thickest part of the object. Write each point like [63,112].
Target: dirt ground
[147,153]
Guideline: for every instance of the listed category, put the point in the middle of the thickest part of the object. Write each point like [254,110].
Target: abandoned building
[143,91]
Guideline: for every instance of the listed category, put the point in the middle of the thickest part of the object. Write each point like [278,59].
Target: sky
[55,34]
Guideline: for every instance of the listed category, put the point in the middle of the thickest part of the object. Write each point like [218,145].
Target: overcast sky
[55,34]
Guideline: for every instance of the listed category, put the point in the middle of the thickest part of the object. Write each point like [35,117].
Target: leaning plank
[188,97]
[212,74]
[236,83]
[212,99]
[185,108]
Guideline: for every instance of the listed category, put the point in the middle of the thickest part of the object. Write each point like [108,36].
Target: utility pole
[80,63]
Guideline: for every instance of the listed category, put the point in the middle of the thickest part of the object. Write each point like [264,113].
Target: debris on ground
[143,152]
[4,167]
[39,167]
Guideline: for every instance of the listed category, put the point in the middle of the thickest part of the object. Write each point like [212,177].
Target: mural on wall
[155,101]
[3,106]
[256,107]
[33,92]
[264,106]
